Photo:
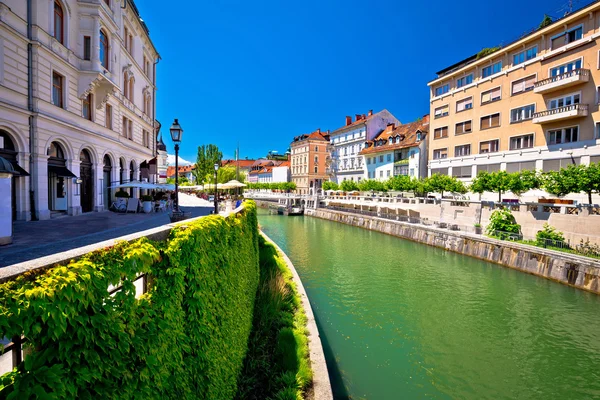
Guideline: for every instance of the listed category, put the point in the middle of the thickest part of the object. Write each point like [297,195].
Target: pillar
[98,187]
[40,163]
[5,209]
[73,188]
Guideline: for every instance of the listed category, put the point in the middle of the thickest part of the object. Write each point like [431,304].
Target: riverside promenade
[33,240]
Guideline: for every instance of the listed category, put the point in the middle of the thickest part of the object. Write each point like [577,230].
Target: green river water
[401,320]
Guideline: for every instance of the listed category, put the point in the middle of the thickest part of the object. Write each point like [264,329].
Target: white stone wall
[281,174]
[66,125]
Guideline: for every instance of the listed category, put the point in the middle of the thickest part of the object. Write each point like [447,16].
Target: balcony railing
[560,113]
[401,162]
[561,81]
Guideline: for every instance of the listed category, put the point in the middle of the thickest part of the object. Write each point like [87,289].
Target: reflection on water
[401,320]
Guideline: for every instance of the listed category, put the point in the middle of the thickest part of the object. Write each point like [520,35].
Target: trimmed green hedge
[186,338]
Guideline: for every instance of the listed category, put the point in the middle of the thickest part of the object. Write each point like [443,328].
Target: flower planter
[147,206]
[478,230]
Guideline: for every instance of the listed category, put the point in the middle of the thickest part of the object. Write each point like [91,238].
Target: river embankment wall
[577,271]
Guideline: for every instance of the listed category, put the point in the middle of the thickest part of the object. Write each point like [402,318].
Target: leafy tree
[208,156]
[329,185]
[497,181]
[444,183]
[521,182]
[545,22]
[401,183]
[574,179]
[348,186]
[371,184]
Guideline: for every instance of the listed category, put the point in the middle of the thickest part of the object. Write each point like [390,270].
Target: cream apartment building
[532,104]
[77,87]
[309,161]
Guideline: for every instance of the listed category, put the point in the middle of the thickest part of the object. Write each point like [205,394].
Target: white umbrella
[164,186]
[233,184]
[135,184]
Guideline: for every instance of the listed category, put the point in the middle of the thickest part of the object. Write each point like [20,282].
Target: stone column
[73,188]
[40,163]
[96,65]
[5,208]
[22,190]
[98,187]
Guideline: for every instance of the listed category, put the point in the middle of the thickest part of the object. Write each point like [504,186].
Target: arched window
[104,49]
[125,85]
[56,151]
[131,85]
[59,22]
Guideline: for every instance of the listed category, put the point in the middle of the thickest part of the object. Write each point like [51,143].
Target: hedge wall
[185,338]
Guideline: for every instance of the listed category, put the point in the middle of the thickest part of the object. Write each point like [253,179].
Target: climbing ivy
[185,338]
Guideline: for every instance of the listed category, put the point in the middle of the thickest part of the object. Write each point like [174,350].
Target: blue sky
[261,72]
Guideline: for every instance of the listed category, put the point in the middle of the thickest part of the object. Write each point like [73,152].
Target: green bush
[277,365]
[122,193]
[146,197]
[503,224]
[549,236]
[329,185]
[185,338]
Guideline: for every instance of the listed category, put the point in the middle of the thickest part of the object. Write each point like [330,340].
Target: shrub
[588,249]
[503,224]
[122,193]
[185,338]
[146,197]
[549,236]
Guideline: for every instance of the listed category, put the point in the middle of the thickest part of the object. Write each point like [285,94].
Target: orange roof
[285,164]
[316,135]
[359,119]
[182,170]
[240,163]
[407,134]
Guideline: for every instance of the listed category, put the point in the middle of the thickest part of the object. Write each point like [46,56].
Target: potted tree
[147,203]
[478,229]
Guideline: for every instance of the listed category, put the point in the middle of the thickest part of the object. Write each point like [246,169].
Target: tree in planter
[348,186]
[443,183]
[367,185]
[329,185]
[502,224]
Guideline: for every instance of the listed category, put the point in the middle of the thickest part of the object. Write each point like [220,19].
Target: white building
[162,161]
[349,140]
[398,150]
[77,87]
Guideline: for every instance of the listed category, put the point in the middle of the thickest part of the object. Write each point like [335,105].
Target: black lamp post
[216,206]
[176,133]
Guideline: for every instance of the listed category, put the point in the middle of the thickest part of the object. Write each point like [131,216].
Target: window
[566,37]
[440,90]
[465,80]
[565,101]
[316,148]
[368,160]
[491,95]
[557,165]
[440,154]
[441,111]
[523,85]
[491,70]
[131,89]
[464,104]
[440,133]
[381,174]
[126,39]
[462,127]
[104,56]
[59,23]
[597,130]
[87,107]
[522,113]
[57,90]
[488,168]
[380,159]
[462,172]
[109,116]
[439,171]
[525,55]
[521,142]
[564,68]
[145,138]
[127,128]
[145,65]
[520,166]
[87,48]
[489,146]
[461,151]
[316,169]
[388,173]
[565,135]
[490,121]
[389,158]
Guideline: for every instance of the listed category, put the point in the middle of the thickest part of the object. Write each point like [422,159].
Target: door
[59,186]
[87,189]
[107,193]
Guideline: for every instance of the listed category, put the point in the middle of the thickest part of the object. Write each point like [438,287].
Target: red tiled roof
[359,119]
[285,164]
[407,133]
[316,135]
[240,163]
[182,170]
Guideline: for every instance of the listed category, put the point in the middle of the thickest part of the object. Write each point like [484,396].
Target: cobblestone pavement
[32,240]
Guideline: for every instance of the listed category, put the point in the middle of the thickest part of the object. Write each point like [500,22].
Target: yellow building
[532,104]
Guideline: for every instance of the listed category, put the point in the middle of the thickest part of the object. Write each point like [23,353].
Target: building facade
[349,140]
[531,105]
[309,154]
[77,87]
[398,150]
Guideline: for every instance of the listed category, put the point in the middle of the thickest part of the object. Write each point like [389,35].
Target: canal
[401,320]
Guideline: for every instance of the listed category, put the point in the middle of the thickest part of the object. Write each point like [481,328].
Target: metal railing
[580,108]
[568,74]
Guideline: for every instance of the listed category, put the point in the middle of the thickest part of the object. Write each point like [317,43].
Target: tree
[329,185]
[497,181]
[545,22]
[371,185]
[348,186]
[208,156]
[574,179]
[226,174]
[521,182]
[400,183]
[444,183]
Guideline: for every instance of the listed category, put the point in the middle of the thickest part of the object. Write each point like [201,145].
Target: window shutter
[485,122]
[496,93]
[495,120]
[485,97]
[459,129]
[468,126]
[529,82]
[518,86]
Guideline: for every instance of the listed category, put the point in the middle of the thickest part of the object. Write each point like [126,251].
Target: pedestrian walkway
[32,240]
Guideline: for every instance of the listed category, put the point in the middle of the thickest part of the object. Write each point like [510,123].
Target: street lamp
[216,206]
[176,133]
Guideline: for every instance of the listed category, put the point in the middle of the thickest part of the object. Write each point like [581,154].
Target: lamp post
[216,206]
[176,133]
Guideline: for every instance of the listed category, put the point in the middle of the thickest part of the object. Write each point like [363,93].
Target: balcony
[570,78]
[401,162]
[561,113]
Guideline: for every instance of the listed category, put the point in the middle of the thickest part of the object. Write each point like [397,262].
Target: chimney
[364,116]
[357,117]
[390,127]
[370,112]
[348,120]
[318,130]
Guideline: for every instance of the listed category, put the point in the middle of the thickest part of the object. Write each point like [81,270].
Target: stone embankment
[576,271]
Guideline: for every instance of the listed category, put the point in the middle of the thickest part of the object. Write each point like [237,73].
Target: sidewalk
[32,240]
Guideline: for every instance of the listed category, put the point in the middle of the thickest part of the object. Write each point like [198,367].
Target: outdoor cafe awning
[61,171]
[18,170]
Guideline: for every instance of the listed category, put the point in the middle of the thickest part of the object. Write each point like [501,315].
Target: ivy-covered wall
[186,338]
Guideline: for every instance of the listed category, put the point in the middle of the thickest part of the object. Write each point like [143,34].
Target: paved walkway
[32,240]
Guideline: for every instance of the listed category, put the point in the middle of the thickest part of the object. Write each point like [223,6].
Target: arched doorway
[58,176]
[107,170]
[8,151]
[87,181]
